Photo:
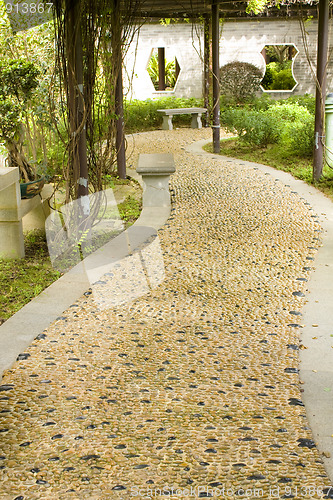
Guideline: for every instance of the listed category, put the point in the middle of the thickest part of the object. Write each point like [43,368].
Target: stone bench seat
[169,113]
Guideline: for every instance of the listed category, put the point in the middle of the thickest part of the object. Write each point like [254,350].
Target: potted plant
[18,81]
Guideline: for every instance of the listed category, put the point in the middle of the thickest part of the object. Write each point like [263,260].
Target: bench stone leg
[167,122]
[196,120]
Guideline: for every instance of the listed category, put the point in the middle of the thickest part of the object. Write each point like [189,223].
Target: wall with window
[241,40]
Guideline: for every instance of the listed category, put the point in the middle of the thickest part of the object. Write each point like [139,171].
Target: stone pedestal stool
[155,170]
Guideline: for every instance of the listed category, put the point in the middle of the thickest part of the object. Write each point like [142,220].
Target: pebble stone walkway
[192,390]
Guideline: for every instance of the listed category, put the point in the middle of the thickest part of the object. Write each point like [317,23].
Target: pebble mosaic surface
[191,390]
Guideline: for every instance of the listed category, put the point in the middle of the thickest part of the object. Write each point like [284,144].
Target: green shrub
[284,122]
[278,76]
[283,80]
[253,127]
[286,110]
[297,138]
[240,81]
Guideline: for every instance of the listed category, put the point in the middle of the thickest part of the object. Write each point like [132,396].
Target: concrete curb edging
[316,361]
[17,333]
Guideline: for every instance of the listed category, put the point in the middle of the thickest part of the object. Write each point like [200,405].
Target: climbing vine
[96,35]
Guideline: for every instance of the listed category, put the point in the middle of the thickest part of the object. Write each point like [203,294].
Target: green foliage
[170,75]
[240,81]
[298,137]
[252,127]
[18,78]
[10,117]
[286,123]
[278,76]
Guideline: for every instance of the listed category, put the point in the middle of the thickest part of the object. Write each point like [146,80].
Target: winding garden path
[191,390]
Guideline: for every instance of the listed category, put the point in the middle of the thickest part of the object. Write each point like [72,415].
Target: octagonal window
[163,69]
[279,60]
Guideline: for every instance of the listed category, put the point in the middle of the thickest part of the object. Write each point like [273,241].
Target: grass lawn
[273,156]
[23,279]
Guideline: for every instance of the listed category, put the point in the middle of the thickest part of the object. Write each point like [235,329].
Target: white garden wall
[241,40]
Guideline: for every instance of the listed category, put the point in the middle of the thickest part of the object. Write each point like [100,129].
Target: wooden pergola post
[216,74]
[119,95]
[76,103]
[161,68]
[321,88]
[206,68]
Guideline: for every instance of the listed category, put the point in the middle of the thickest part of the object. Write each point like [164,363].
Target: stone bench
[155,170]
[169,113]
[12,211]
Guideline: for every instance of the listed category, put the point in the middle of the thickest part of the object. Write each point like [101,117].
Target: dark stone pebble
[140,466]
[295,313]
[294,347]
[239,465]
[295,402]
[210,450]
[282,430]
[120,447]
[294,325]
[23,355]
[255,477]
[6,387]
[306,443]
[212,440]
[245,428]
[150,481]
[205,495]
[91,426]
[216,484]
[19,498]
[90,457]
[53,459]
[179,451]
[248,438]
[285,480]
[274,461]
[298,294]
[57,436]
[27,443]
[41,481]
[204,464]
[291,370]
